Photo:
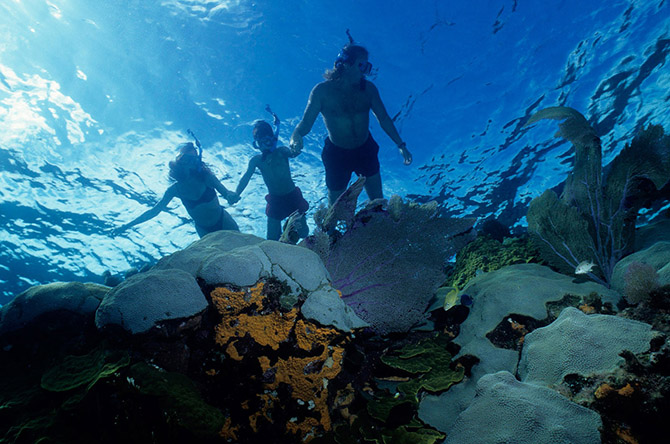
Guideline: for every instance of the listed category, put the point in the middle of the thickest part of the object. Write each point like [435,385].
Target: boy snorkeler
[283,197]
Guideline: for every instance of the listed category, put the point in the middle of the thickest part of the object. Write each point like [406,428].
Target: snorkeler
[283,197]
[196,186]
[344,100]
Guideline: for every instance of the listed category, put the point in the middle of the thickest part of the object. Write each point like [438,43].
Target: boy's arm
[244,181]
[169,194]
[288,152]
[312,111]
[385,121]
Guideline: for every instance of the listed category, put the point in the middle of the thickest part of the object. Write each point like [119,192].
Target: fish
[584,267]
[449,295]
[452,298]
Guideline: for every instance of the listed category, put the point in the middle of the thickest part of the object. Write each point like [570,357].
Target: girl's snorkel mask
[190,146]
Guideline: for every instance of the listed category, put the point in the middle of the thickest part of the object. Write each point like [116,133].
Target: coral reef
[594,219]
[506,410]
[632,400]
[294,360]
[485,254]
[388,265]
[379,404]
[640,280]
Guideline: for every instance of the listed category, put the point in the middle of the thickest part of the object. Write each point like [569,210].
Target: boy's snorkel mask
[275,135]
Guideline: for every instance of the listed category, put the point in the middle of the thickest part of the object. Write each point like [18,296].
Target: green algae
[180,399]
[428,362]
[485,254]
[77,371]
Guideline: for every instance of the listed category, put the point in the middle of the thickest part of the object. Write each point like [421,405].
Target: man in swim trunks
[345,100]
[283,196]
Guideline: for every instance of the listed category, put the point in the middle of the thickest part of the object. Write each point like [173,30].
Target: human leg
[333,195]
[366,163]
[274,229]
[373,186]
[227,221]
[303,229]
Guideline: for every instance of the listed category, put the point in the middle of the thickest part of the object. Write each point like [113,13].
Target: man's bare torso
[346,111]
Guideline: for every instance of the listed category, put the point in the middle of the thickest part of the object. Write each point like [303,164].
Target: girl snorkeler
[196,186]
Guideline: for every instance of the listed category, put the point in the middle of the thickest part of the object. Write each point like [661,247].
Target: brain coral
[580,343]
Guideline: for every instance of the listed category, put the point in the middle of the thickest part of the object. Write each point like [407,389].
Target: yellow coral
[626,390]
[304,428]
[308,334]
[269,330]
[232,351]
[625,435]
[228,301]
[307,376]
[588,309]
[229,431]
[603,391]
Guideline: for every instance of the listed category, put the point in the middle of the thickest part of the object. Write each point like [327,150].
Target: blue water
[94,96]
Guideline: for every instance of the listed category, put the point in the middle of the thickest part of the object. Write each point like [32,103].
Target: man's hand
[296,143]
[404,152]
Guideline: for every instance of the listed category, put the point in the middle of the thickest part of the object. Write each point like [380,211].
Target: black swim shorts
[340,162]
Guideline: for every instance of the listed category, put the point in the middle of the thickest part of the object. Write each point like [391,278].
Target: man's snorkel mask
[348,55]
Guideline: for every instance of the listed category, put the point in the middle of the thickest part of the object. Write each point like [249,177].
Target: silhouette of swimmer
[196,186]
[283,197]
[345,100]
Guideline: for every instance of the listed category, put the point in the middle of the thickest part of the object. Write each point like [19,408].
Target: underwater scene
[234,221]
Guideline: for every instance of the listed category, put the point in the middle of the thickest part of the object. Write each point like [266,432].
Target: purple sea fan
[388,267]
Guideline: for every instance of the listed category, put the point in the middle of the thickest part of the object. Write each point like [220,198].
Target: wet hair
[261,127]
[177,170]
[345,58]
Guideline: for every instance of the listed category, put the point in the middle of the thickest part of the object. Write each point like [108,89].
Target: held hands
[296,143]
[232,197]
[404,152]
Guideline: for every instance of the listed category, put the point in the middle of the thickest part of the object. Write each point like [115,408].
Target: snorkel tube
[275,122]
[197,143]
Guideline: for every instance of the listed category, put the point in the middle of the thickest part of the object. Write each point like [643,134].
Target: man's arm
[244,181]
[312,111]
[385,121]
[169,194]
